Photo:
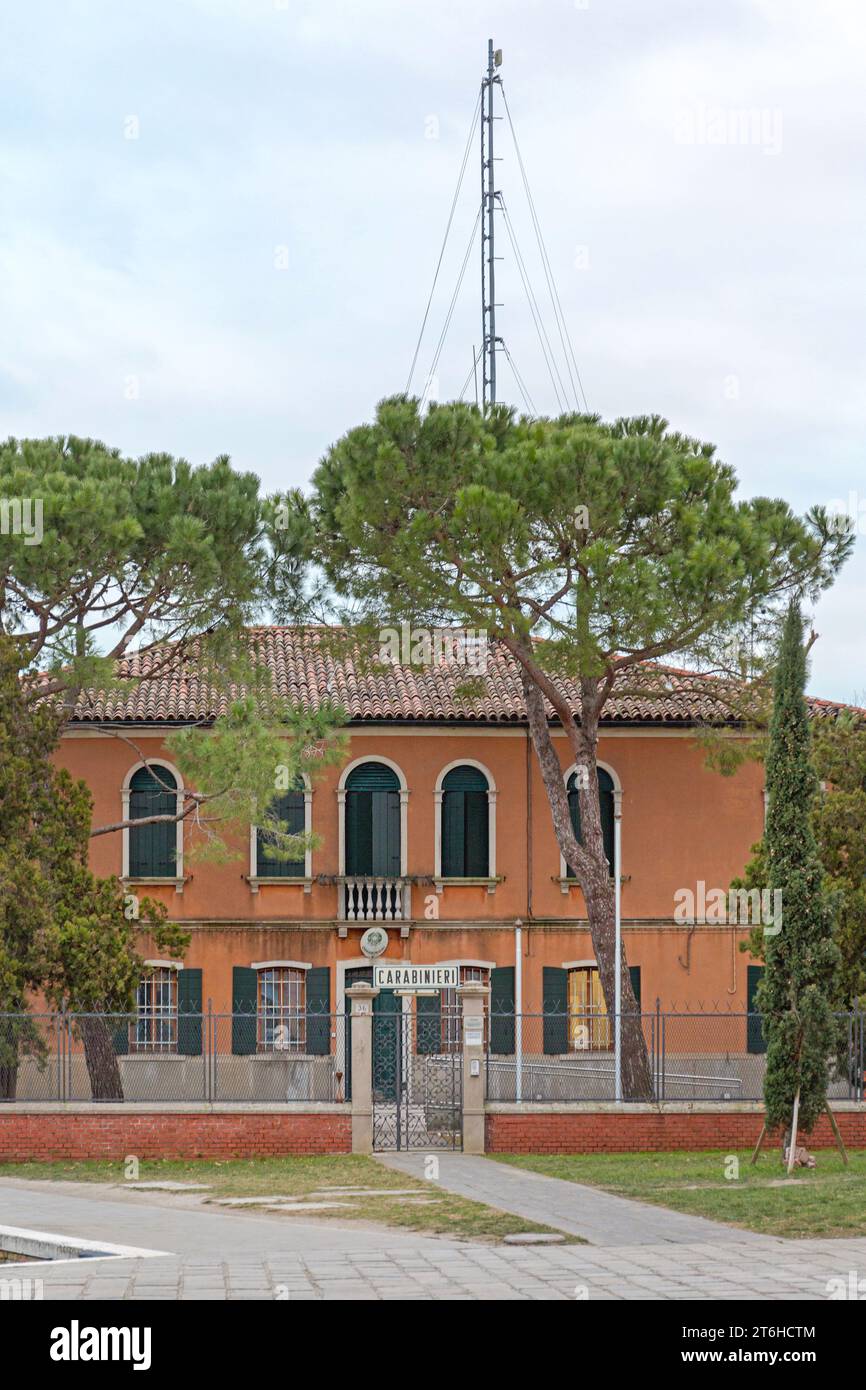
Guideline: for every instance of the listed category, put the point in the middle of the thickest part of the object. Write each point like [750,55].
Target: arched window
[373,822]
[288,814]
[605,798]
[153,848]
[465,824]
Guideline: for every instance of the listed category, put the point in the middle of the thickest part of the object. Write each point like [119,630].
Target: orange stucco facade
[681,824]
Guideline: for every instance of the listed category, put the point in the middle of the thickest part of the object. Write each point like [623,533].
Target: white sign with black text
[412,977]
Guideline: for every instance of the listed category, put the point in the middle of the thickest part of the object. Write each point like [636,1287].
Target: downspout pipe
[518,1009]
[617,898]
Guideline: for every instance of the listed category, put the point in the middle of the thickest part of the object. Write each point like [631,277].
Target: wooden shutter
[121,1037]
[465,824]
[634,976]
[152,848]
[477,835]
[318,986]
[428,1023]
[453,834]
[189,1003]
[384,856]
[755,1041]
[501,1020]
[554,984]
[245,1007]
[605,806]
[574,811]
[289,811]
[373,822]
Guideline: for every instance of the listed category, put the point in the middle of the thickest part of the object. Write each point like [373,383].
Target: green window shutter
[373,821]
[428,1023]
[289,811]
[189,1003]
[605,803]
[121,1037]
[477,837]
[634,976]
[554,985]
[245,1007]
[318,984]
[359,832]
[755,1041]
[152,848]
[453,827]
[606,808]
[465,824]
[574,811]
[502,1010]
[384,860]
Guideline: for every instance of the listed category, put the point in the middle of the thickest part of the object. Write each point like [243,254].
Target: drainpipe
[617,894]
[518,1009]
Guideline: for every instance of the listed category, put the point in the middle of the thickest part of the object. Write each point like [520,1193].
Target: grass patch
[300,1177]
[829,1200]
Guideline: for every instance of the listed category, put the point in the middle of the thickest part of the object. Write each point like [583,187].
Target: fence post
[361,1006]
[209,1053]
[472,997]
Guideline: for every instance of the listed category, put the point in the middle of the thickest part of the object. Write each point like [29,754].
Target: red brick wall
[160,1134]
[604,1132]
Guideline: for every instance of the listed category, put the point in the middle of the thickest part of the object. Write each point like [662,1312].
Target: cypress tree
[795,993]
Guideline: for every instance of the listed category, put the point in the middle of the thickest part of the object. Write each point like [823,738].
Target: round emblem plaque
[374,941]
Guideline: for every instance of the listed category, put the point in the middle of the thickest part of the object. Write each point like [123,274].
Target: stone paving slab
[219,1254]
[596,1216]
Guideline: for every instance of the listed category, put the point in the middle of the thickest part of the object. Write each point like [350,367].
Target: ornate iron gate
[417,1083]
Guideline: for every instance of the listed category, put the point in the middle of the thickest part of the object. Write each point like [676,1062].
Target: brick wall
[520,1130]
[103,1133]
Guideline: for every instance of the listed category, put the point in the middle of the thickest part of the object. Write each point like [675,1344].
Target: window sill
[566,883]
[176,883]
[256,881]
[287,1055]
[488,883]
[155,1056]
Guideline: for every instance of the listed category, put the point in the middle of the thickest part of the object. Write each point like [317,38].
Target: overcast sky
[220,219]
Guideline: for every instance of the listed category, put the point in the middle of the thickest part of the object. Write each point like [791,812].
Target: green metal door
[387,1068]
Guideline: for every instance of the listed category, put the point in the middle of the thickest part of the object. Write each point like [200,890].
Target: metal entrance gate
[417,1083]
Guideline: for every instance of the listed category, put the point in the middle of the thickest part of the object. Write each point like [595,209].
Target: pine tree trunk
[101,1058]
[593,872]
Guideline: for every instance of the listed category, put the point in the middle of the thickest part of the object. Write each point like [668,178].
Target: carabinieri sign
[410,977]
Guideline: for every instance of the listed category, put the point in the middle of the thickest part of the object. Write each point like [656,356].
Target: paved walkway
[231,1254]
[597,1216]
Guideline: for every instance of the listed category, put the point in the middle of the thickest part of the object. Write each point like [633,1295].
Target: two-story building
[437,829]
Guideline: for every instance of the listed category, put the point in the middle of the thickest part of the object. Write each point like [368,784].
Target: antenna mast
[488,201]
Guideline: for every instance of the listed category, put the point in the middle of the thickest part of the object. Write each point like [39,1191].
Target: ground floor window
[452,1008]
[588,1024]
[282,1018]
[155,1027]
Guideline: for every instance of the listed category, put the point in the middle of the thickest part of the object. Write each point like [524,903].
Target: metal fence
[249,1057]
[667,1056]
[178,1057]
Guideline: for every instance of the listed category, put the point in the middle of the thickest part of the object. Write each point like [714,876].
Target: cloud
[257,256]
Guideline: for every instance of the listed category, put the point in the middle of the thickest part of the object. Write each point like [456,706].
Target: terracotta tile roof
[306,671]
